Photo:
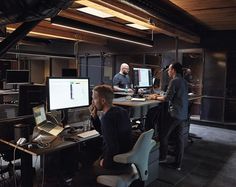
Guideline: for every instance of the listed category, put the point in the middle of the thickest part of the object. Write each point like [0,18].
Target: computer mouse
[67,127]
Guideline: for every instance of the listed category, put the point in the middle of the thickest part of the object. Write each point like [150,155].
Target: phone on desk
[21,141]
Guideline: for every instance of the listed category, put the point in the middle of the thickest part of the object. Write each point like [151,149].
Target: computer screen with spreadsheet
[64,93]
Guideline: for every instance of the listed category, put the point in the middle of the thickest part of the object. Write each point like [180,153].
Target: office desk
[122,94]
[136,109]
[26,155]
[122,101]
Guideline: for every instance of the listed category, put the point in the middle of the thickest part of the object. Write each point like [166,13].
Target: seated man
[115,128]
[121,81]
[114,125]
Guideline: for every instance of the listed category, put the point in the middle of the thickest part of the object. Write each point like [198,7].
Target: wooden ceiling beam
[45,30]
[128,12]
[83,17]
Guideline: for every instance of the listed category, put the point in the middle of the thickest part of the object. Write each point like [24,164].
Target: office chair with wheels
[138,157]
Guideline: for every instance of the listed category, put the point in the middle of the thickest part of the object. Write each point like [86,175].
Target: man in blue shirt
[177,96]
[121,81]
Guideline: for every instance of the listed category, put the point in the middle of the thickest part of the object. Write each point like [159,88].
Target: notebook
[42,123]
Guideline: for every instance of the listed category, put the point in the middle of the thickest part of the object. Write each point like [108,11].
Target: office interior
[199,35]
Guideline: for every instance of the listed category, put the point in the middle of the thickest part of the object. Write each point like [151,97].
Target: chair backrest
[139,155]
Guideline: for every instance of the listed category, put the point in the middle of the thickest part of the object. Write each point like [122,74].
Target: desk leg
[26,170]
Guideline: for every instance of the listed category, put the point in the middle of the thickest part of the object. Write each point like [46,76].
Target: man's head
[175,68]
[124,68]
[102,96]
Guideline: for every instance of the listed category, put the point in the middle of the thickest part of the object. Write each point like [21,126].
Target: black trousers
[176,126]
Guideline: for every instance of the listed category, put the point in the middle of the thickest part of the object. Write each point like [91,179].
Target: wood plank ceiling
[214,14]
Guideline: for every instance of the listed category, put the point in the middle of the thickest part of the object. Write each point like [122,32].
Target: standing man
[177,96]
[114,126]
[121,81]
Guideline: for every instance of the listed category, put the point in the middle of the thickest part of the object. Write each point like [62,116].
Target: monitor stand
[14,89]
[136,94]
[65,117]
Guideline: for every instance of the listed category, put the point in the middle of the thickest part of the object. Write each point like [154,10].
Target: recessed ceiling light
[136,26]
[94,12]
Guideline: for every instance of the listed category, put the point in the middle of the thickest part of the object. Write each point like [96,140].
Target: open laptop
[43,124]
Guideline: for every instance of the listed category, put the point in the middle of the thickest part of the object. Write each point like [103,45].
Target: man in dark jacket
[177,96]
[115,128]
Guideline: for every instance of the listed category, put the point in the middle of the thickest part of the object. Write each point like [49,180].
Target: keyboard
[138,99]
[87,134]
[48,126]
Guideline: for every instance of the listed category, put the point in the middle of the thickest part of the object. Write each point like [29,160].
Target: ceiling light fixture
[137,26]
[94,12]
[84,27]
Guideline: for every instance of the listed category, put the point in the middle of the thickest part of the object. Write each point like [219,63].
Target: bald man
[121,81]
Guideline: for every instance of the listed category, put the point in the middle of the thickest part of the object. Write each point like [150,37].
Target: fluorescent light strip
[136,26]
[95,12]
[104,35]
[44,34]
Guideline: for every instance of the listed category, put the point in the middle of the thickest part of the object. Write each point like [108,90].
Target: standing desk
[27,153]
[136,109]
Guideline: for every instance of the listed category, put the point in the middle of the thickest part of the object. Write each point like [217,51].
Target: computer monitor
[17,76]
[30,96]
[69,72]
[64,93]
[142,77]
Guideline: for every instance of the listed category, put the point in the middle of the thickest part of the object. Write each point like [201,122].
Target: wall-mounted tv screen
[64,93]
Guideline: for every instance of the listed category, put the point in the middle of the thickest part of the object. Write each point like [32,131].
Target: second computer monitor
[142,77]
[64,93]
[69,72]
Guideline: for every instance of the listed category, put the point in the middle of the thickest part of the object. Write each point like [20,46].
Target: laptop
[42,123]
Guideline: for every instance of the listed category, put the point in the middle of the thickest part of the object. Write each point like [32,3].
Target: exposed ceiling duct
[14,11]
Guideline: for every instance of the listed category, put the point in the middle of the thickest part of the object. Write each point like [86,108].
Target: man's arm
[169,93]
[94,118]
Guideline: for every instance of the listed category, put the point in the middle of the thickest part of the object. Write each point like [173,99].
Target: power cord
[54,118]
[14,159]
[43,161]
[14,162]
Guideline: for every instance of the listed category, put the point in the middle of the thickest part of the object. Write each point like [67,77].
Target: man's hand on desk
[156,97]
[129,90]
[152,96]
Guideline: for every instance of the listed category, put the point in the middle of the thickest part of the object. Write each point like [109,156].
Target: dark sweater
[116,130]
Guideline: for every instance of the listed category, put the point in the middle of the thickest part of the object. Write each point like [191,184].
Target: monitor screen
[17,76]
[142,77]
[66,93]
[68,72]
[30,96]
